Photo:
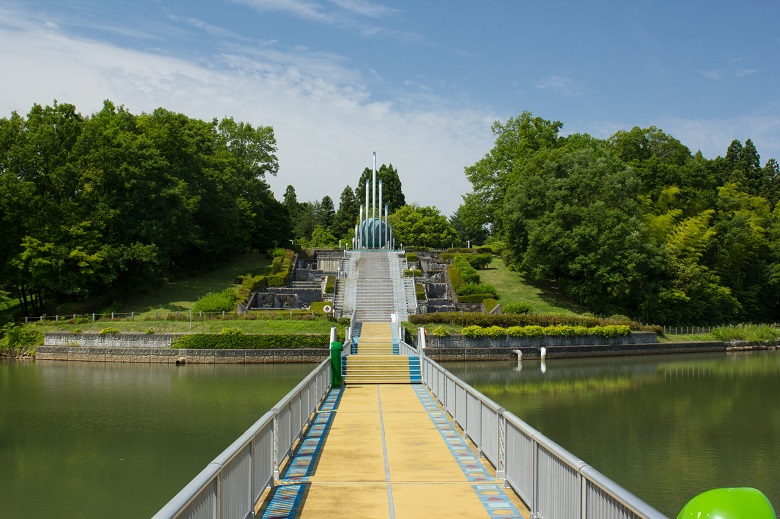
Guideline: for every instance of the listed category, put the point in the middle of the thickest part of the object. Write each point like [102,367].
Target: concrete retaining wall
[170,356]
[118,340]
[556,352]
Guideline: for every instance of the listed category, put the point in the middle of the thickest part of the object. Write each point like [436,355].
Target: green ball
[729,503]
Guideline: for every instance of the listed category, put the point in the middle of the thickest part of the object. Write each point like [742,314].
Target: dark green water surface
[119,440]
[664,427]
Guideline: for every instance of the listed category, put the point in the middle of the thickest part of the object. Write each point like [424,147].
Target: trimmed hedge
[278,271]
[506,320]
[330,284]
[475,298]
[612,330]
[489,304]
[232,339]
[515,308]
[468,289]
[224,301]
[412,272]
[419,290]
[412,257]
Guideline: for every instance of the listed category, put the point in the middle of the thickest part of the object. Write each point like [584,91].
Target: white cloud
[325,120]
[562,84]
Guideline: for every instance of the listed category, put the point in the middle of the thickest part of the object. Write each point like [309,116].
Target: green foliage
[412,257]
[474,298]
[419,290]
[467,289]
[412,272]
[515,308]
[224,301]
[109,330]
[747,332]
[236,339]
[505,320]
[19,339]
[634,224]
[392,193]
[330,284]
[421,227]
[549,331]
[114,203]
[439,331]
[489,304]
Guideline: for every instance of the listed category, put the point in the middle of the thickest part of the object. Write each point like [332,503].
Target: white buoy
[543,352]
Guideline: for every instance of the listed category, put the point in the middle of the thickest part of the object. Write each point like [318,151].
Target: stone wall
[119,340]
[170,355]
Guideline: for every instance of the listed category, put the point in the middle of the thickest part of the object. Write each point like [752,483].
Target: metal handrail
[550,480]
[231,485]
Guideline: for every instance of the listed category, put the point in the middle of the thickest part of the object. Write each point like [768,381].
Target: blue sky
[419,82]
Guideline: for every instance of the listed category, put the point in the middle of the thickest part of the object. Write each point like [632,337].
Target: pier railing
[551,481]
[232,484]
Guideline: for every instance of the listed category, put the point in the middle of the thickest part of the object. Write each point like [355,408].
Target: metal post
[373,202]
[367,230]
[359,229]
[387,227]
[378,240]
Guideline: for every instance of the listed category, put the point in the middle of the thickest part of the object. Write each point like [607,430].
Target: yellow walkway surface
[383,450]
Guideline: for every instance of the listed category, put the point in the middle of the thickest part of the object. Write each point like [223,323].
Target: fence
[550,480]
[166,316]
[231,485]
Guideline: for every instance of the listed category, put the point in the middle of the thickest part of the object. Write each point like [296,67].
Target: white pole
[366,231]
[359,228]
[378,240]
[387,229]
[373,202]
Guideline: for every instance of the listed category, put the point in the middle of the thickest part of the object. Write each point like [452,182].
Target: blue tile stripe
[491,494]
[415,375]
[288,497]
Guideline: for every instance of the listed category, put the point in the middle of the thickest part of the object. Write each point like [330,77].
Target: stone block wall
[170,355]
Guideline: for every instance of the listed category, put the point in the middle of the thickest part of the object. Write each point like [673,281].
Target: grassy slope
[513,288]
[180,295]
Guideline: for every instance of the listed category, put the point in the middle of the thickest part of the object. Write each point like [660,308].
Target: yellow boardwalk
[386,451]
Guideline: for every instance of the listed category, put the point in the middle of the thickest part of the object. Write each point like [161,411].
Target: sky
[419,82]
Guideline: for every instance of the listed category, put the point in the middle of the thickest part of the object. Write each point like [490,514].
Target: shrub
[419,290]
[224,301]
[330,284]
[235,339]
[412,272]
[439,331]
[480,261]
[468,289]
[15,338]
[475,298]
[472,331]
[489,304]
[411,257]
[505,320]
[150,331]
[515,308]
[110,330]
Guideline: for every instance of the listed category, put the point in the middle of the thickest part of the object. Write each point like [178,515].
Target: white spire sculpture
[373,232]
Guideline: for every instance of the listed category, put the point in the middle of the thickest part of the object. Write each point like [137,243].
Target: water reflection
[96,439]
[664,427]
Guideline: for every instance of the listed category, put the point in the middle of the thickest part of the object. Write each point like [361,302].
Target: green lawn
[514,288]
[180,295]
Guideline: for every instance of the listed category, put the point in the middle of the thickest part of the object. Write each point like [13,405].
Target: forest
[93,208]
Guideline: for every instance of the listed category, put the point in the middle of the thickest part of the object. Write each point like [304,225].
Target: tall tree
[326,213]
[347,214]
[392,193]
[422,227]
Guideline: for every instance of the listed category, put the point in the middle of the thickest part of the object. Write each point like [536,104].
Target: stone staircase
[375,360]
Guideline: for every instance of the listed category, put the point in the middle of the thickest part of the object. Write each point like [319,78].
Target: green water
[664,427]
[119,440]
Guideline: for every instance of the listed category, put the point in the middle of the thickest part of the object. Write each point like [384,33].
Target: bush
[468,289]
[515,308]
[236,339]
[110,330]
[506,320]
[224,301]
[419,290]
[411,257]
[412,272]
[15,338]
[439,332]
[475,298]
[330,284]
[489,304]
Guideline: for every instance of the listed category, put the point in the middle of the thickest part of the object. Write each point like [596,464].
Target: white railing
[552,482]
[231,485]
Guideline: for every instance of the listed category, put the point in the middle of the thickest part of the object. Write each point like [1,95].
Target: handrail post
[501,469]
[276,446]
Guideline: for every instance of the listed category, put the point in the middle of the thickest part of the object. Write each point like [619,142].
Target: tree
[392,194]
[326,213]
[347,214]
[421,227]
[468,223]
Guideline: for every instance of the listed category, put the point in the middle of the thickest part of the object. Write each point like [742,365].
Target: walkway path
[386,451]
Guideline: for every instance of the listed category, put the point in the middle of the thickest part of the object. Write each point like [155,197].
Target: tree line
[114,202]
[633,224]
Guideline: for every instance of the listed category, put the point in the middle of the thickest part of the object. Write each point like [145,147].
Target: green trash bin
[336,380]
